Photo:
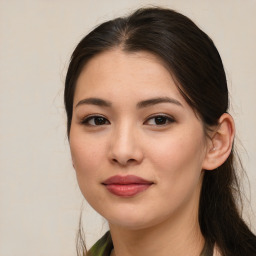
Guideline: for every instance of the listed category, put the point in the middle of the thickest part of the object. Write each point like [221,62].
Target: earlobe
[221,143]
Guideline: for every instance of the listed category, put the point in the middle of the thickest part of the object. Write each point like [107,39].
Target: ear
[220,144]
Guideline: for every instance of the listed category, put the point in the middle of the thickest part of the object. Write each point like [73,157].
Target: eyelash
[167,119]
[104,121]
[86,120]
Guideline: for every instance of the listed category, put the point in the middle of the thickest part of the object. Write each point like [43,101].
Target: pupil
[160,120]
[99,121]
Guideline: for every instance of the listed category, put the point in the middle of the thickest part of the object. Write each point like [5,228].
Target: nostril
[130,160]
[123,162]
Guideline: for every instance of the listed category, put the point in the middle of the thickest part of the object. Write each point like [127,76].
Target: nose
[125,147]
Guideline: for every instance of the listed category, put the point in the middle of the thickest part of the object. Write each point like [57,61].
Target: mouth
[126,186]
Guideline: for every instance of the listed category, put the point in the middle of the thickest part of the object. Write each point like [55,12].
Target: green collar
[104,246]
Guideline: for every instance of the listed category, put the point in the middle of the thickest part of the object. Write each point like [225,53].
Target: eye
[159,120]
[95,121]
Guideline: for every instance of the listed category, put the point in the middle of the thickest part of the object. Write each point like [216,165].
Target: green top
[104,246]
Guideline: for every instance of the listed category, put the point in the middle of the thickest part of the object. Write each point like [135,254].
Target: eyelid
[169,118]
[85,120]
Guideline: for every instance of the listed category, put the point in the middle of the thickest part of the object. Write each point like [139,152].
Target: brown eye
[95,121]
[159,120]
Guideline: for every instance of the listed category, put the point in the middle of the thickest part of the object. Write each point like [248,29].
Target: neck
[177,236]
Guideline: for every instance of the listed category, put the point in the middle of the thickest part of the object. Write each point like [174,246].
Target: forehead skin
[101,69]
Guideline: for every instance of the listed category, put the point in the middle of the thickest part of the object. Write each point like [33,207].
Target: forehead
[117,73]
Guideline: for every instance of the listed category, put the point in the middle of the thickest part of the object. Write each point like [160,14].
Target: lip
[126,186]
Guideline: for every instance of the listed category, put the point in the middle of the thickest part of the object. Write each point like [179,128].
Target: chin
[130,224]
[132,219]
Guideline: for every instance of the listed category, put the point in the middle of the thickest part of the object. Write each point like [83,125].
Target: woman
[151,140]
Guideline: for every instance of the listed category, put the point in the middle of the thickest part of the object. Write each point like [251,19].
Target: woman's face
[137,147]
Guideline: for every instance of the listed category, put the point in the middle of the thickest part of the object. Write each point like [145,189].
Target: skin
[162,220]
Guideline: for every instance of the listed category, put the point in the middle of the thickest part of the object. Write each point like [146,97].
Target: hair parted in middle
[196,67]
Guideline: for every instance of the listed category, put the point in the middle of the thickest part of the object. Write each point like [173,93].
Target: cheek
[87,157]
[179,158]
[178,164]
[82,155]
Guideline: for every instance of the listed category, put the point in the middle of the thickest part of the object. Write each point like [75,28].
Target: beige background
[39,198]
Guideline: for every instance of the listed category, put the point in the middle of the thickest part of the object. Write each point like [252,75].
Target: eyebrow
[158,100]
[94,101]
[141,104]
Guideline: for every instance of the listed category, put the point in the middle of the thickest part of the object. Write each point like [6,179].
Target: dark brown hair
[196,66]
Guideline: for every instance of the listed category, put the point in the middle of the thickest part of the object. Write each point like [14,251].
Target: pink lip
[126,186]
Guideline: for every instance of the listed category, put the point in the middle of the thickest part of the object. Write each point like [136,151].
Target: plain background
[40,200]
